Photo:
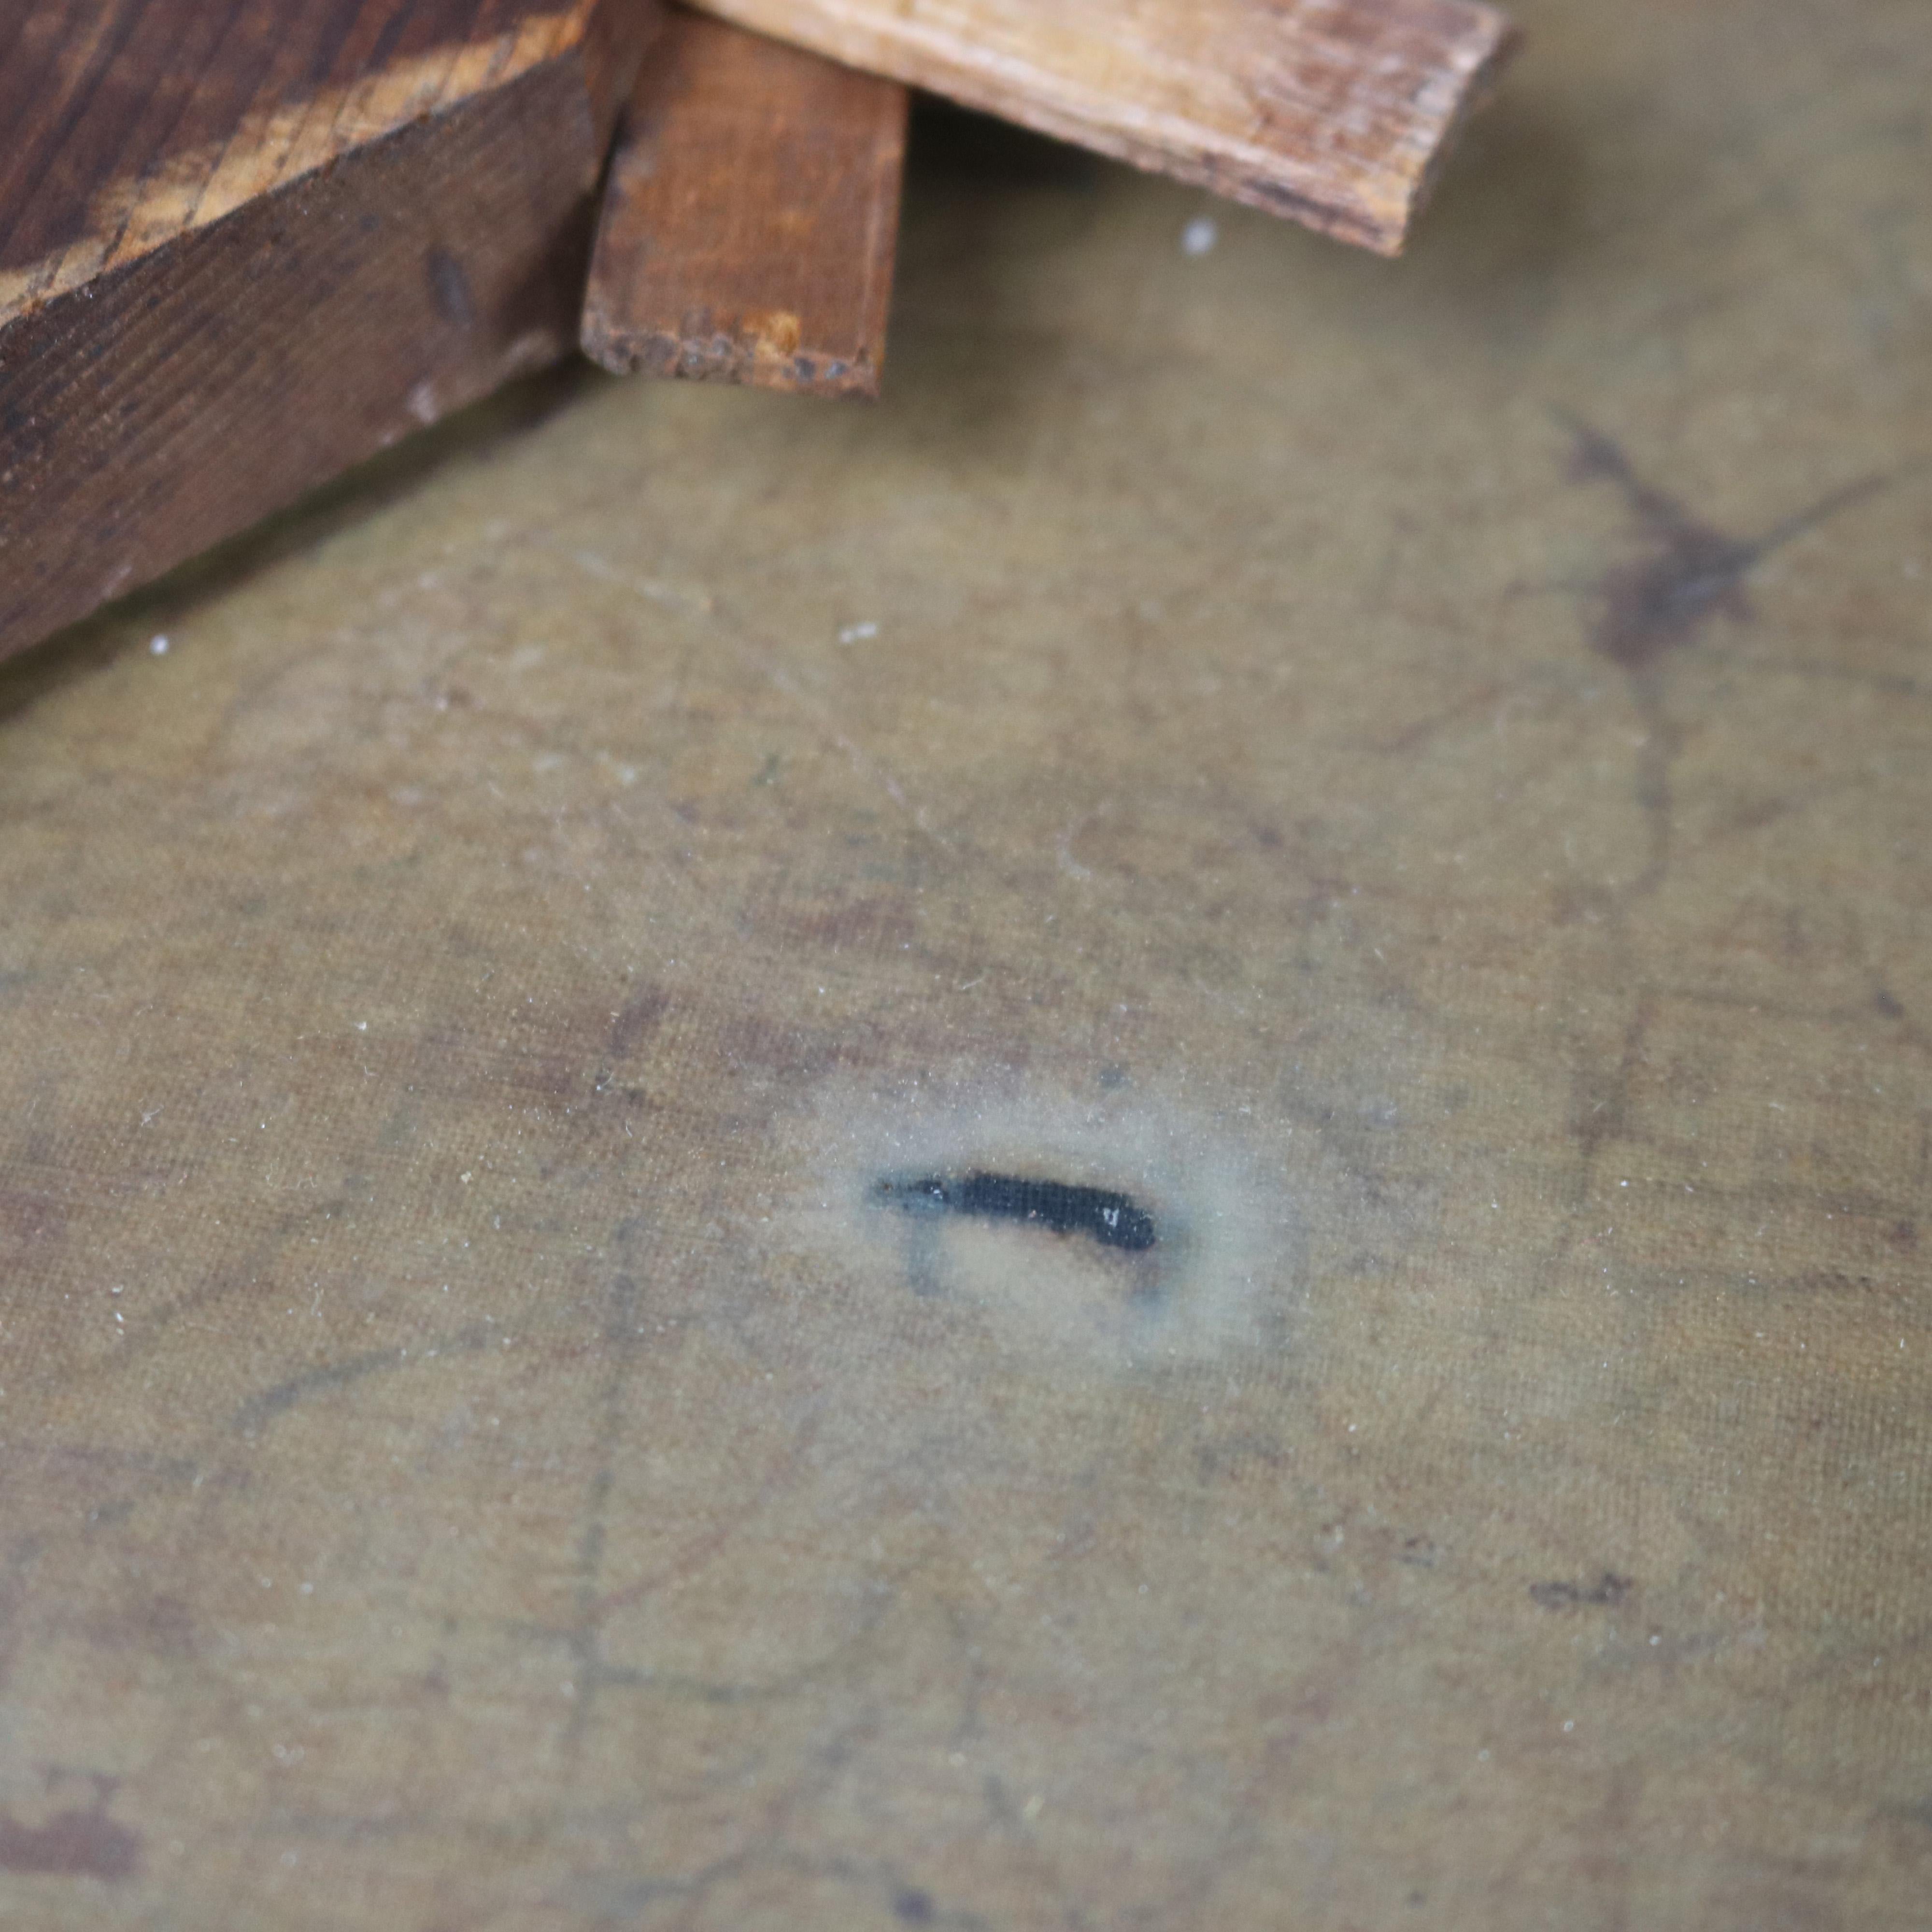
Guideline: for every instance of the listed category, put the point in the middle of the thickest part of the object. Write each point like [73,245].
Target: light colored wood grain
[1333,113]
[750,218]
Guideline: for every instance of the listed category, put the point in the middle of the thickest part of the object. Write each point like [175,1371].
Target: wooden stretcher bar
[243,248]
[1337,113]
[751,217]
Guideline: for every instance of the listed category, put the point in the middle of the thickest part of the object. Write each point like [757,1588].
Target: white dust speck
[857,634]
[1199,235]
[158,644]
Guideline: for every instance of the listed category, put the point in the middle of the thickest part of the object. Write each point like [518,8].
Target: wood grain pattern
[137,122]
[751,217]
[1335,113]
[240,251]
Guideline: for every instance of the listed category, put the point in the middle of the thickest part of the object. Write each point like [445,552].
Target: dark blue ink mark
[1115,1220]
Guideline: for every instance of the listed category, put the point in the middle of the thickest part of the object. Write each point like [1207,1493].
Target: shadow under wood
[1509,219]
[391,476]
[984,203]
[952,146]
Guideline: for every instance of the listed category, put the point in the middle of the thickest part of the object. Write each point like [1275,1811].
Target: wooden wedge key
[751,217]
[243,247]
[1335,112]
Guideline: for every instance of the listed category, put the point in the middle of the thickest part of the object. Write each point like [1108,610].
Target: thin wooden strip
[1334,112]
[751,217]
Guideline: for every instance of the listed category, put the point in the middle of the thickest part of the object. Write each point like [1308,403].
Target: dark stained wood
[241,249]
[751,217]
[1334,112]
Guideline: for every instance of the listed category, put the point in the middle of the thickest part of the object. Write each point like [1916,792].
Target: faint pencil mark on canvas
[624,1351]
[1685,572]
[323,1377]
[620,1349]
[721,1886]
[1601,1110]
[1609,1588]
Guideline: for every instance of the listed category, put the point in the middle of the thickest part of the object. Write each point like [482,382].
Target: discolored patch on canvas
[1118,1225]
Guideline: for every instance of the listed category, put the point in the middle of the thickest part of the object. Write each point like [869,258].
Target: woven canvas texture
[574,1012]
